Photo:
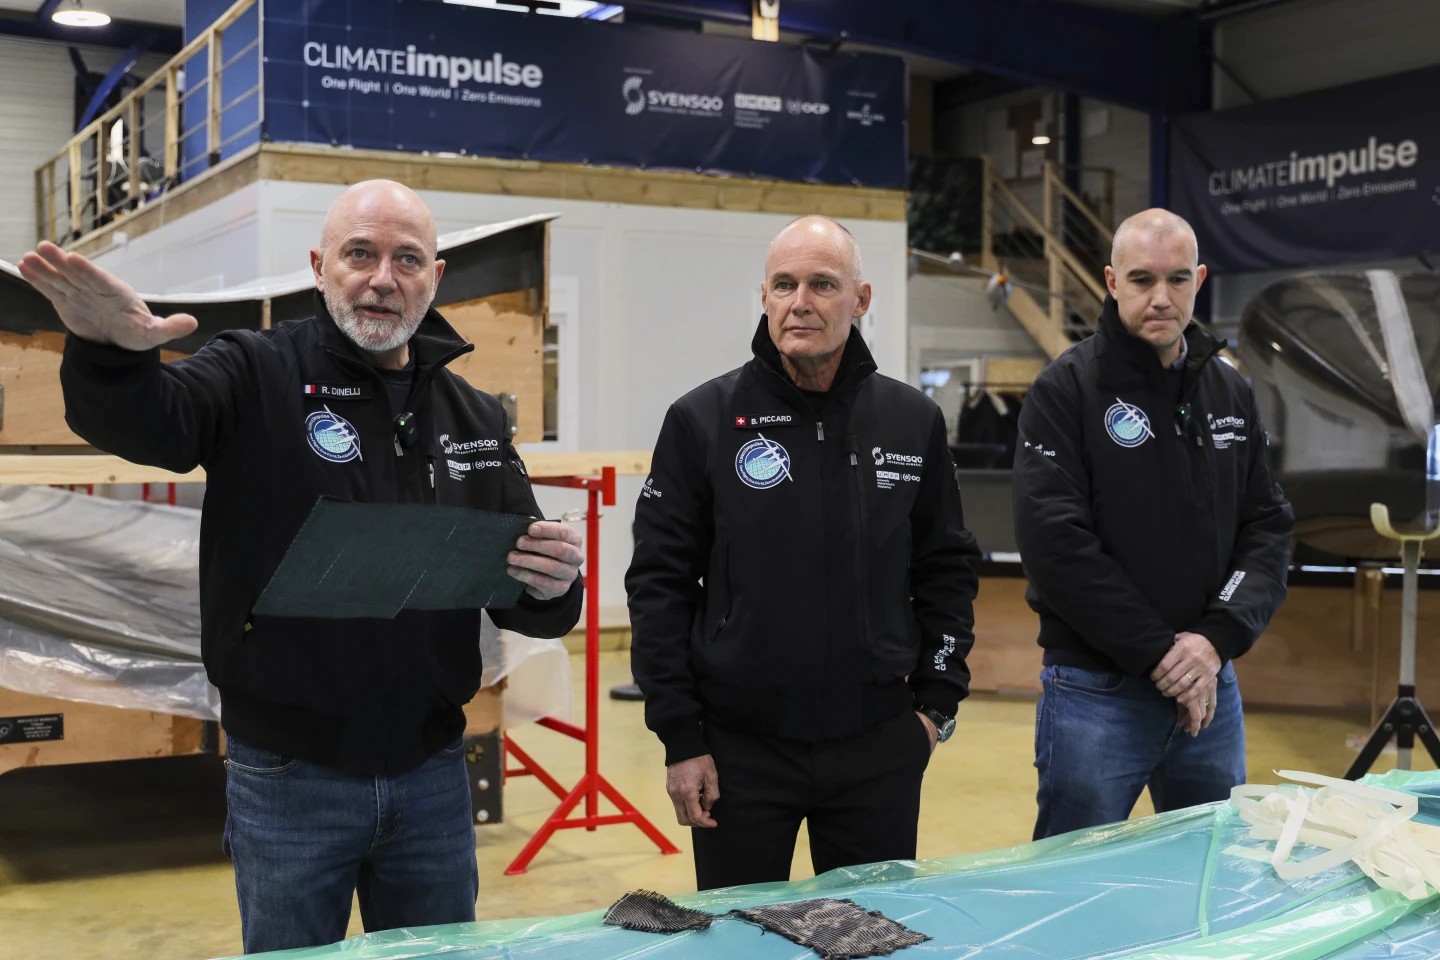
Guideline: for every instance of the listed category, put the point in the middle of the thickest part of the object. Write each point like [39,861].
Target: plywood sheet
[30,372]
[508,332]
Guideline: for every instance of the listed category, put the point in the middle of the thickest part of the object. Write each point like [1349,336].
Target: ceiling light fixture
[1040,140]
[78,16]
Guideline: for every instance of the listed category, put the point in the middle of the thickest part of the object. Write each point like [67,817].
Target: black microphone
[1186,423]
[405,431]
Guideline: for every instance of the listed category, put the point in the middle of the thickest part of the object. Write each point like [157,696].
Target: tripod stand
[1405,718]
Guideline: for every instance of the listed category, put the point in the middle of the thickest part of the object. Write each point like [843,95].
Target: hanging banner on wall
[1340,176]
[419,75]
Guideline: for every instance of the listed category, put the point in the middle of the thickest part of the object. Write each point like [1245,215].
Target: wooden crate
[93,733]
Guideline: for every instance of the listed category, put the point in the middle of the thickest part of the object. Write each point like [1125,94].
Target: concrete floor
[123,859]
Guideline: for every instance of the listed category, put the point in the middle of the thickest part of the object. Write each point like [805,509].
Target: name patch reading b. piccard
[748,422]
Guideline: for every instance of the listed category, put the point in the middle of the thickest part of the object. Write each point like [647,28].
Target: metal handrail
[1106,232]
[84,168]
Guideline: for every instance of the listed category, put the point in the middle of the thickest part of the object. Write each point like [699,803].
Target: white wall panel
[208,249]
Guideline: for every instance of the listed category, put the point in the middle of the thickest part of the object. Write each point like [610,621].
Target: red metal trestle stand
[591,784]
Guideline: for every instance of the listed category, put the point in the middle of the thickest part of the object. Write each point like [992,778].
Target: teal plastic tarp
[1187,885]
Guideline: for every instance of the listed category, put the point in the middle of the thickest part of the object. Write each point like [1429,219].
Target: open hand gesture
[95,304]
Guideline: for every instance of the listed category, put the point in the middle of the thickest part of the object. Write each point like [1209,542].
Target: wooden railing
[1061,250]
[130,154]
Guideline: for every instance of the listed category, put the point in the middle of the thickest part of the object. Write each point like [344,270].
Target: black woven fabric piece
[653,913]
[835,929]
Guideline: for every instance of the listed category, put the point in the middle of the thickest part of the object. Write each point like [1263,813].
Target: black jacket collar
[1125,358]
[856,363]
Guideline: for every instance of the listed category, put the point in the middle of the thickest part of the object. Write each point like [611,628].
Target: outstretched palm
[95,304]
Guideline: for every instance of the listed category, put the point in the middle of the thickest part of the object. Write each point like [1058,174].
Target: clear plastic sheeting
[536,674]
[1187,885]
[100,603]
[46,665]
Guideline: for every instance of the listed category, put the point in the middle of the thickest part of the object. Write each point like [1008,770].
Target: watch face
[945,729]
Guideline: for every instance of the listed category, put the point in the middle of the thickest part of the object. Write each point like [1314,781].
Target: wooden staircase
[1062,250]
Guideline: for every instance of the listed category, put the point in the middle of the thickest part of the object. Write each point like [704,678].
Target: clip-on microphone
[1185,424]
[405,432]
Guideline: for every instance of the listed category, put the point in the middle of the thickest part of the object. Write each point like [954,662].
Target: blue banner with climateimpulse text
[420,75]
[1346,175]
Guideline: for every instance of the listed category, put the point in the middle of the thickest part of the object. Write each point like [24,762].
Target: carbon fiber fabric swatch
[835,929]
[653,913]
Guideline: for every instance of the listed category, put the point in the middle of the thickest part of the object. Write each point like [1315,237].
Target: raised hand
[95,304]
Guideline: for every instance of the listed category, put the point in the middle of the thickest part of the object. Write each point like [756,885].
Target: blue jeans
[304,838]
[1100,738]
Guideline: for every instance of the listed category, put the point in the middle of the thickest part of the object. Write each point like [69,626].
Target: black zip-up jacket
[1145,505]
[791,572]
[279,418]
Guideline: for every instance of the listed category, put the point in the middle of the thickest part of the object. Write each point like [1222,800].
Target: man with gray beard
[345,769]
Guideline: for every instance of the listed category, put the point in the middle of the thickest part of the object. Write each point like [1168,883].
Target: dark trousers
[860,797]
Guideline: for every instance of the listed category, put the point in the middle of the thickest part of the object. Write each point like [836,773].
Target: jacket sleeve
[530,616]
[1062,554]
[943,582]
[674,530]
[175,415]
[1260,560]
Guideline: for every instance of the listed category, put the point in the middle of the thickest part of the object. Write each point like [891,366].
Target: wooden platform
[316,163]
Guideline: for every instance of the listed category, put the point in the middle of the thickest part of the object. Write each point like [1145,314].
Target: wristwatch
[944,726]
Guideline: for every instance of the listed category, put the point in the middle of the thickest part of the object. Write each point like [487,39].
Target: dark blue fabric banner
[1340,176]
[419,75]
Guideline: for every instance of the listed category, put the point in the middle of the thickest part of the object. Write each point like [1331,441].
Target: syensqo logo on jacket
[1127,424]
[332,437]
[762,464]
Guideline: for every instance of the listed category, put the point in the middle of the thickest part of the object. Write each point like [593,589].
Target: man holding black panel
[345,772]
